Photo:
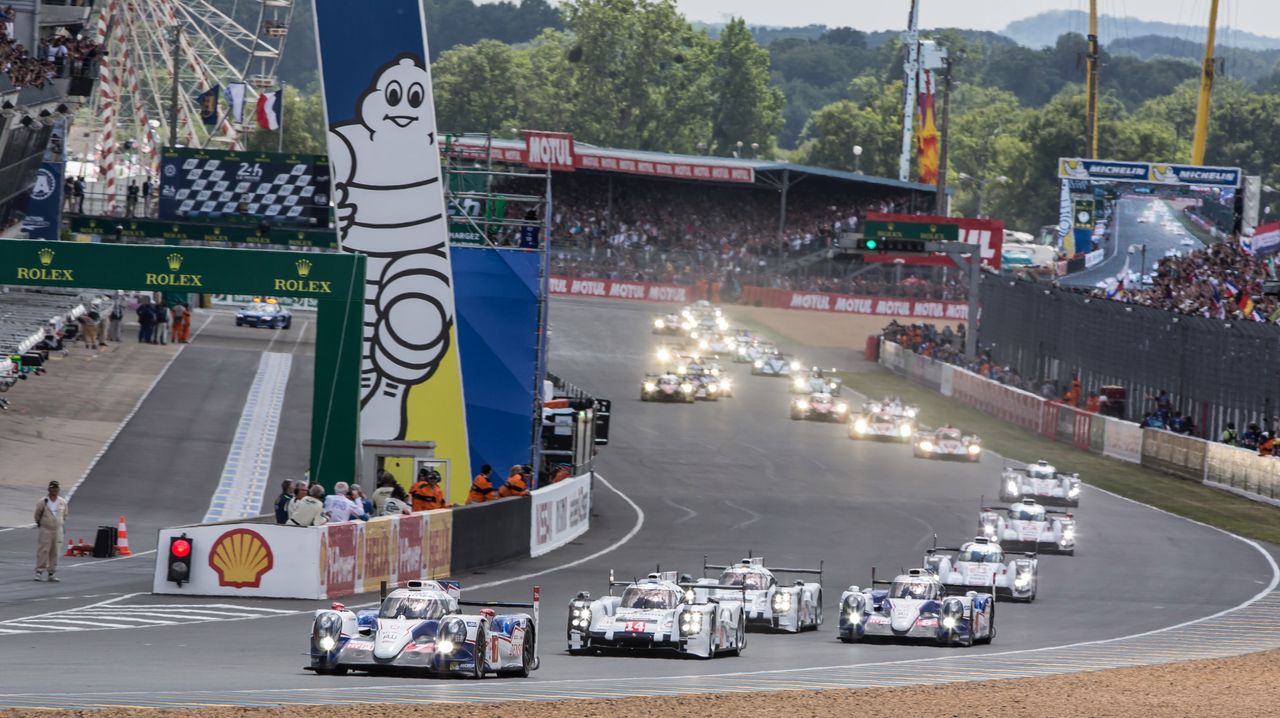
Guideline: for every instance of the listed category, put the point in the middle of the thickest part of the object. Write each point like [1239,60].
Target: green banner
[175,232]
[185,269]
[911,230]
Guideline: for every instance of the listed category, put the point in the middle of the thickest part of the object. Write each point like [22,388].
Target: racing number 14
[634,627]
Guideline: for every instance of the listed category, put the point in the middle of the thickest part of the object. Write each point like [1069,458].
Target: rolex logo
[46,257]
[175,261]
[304,267]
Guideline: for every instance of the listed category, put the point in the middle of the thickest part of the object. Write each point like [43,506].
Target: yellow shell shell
[241,557]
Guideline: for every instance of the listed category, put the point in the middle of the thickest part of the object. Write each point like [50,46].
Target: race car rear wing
[691,587]
[772,569]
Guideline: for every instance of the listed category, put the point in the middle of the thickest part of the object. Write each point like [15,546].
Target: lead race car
[917,606]
[981,563]
[947,442]
[666,387]
[769,603]
[819,407]
[421,629]
[774,364]
[1028,526]
[662,612]
[1040,481]
[880,424]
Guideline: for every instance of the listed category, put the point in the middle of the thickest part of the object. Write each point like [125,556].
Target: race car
[266,313]
[421,629]
[881,425]
[669,323]
[706,386]
[916,605]
[814,381]
[721,343]
[792,607]
[946,443]
[1042,482]
[819,407]
[1028,526]
[774,364]
[663,612]
[666,387]
[892,406]
[983,564]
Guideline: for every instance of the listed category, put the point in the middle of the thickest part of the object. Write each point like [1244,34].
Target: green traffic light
[871,244]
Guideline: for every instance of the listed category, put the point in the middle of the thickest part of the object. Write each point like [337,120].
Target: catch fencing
[1215,371]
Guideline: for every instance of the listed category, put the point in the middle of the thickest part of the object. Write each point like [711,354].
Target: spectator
[50,517]
[385,487]
[89,328]
[481,487]
[181,321]
[1268,445]
[358,497]
[79,193]
[310,509]
[161,335]
[115,317]
[427,494]
[339,506]
[283,500]
[146,322]
[563,471]
[1229,436]
[396,503]
[146,195]
[1251,437]
[516,484]
[131,198]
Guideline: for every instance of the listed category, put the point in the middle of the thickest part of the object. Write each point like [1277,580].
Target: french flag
[269,105]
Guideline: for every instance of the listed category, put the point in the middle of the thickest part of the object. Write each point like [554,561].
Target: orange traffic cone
[122,547]
[71,549]
[82,548]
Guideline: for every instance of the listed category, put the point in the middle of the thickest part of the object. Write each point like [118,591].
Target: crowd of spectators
[56,56]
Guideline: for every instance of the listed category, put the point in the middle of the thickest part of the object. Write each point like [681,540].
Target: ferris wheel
[145,39]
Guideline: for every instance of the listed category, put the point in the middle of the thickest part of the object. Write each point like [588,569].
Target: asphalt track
[1132,233]
[719,478]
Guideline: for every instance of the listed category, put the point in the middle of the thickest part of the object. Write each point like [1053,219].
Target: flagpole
[280,129]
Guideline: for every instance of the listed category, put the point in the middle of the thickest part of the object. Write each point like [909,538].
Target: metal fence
[1215,371]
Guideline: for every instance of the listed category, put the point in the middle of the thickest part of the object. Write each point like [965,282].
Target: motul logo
[820,302]
[554,151]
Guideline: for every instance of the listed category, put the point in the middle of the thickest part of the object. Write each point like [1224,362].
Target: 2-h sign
[550,150]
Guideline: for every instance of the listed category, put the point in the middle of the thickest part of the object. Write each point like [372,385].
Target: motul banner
[618,289]
[849,304]
[549,150]
[548,147]
[988,233]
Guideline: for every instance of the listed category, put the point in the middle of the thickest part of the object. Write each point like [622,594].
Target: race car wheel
[288,323]
[527,659]
[741,644]
[817,612]
[795,416]
[482,650]
[991,625]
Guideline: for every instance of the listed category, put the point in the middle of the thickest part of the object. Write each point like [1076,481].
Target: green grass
[1185,498]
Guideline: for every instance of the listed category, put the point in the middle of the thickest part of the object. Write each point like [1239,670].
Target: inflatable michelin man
[390,207]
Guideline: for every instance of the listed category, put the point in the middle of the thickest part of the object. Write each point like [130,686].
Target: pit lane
[722,478]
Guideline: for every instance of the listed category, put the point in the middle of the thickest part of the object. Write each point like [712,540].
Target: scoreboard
[198,185]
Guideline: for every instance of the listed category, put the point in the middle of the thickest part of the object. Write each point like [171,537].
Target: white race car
[819,407]
[1028,526]
[775,364]
[670,323]
[421,629]
[662,612]
[1040,481]
[815,381]
[917,606]
[666,387]
[981,564]
[791,607]
[947,443]
[881,425]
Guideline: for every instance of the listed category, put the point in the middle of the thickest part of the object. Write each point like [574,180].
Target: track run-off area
[678,482]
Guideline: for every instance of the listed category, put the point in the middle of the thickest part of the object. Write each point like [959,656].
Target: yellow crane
[1206,90]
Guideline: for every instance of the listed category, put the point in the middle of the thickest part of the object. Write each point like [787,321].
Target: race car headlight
[453,633]
[842,408]
[758,364]
[911,413]
[690,623]
[926,446]
[704,344]
[659,324]
[650,386]
[781,601]
[726,382]
[327,643]
[1069,533]
[715,371]
[949,622]
[1074,491]
[713,388]
[722,323]
[853,605]
[1012,486]
[328,624]
[904,431]
[694,334]
[974,449]
[580,617]
[682,370]
[1023,580]
[664,355]
[795,366]
[799,383]
[802,405]
[686,388]
[860,426]
[690,596]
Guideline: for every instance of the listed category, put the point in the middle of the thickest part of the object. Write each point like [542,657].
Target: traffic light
[879,244]
[179,559]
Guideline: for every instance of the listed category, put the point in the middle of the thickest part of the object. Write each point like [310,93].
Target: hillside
[1043,30]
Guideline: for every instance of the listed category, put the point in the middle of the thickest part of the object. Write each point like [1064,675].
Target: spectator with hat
[50,517]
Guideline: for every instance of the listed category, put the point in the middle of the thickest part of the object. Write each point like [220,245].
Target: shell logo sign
[241,557]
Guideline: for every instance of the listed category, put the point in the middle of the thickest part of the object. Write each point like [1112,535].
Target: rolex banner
[385,168]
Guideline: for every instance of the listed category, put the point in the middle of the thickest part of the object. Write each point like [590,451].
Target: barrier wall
[559,513]
[1122,440]
[1174,453]
[618,289]
[490,533]
[1243,471]
[852,304]
[1012,405]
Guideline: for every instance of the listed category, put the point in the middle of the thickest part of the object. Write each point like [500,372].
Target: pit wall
[1225,467]
[261,559]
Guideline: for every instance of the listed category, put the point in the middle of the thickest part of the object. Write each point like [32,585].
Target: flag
[1256,315]
[926,132]
[208,101]
[269,110]
[1275,315]
[1231,289]
[235,102]
[1245,304]
[1115,289]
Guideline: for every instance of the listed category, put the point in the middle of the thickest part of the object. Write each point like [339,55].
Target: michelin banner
[1148,173]
[389,200]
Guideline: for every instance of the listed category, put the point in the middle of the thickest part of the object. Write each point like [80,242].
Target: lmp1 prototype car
[264,314]
[917,606]
[1042,482]
[666,387]
[768,603]
[881,425]
[1028,526]
[670,323]
[947,443]
[775,364]
[421,629]
[814,381]
[982,564]
[819,407]
[663,612]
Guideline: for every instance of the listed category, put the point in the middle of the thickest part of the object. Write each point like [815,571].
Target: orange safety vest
[481,490]
[1268,448]
[515,486]
[561,474]
[427,497]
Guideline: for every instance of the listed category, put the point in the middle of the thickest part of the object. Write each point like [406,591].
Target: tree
[876,126]
[478,87]
[303,125]
[747,108]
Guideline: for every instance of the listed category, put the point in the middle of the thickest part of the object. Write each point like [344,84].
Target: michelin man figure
[390,207]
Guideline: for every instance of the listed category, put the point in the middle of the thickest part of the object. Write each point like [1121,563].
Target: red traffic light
[180,548]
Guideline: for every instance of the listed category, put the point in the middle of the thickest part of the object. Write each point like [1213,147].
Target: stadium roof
[665,165]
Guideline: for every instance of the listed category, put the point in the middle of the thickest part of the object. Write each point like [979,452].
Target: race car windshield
[649,598]
[1027,514]
[1041,472]
[912,589]
[952,435]
[668,380]
[413,607]
[981,554]
[750,580]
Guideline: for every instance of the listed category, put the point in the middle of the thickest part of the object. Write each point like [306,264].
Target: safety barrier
[1175,454]
[1244,472]
[261,559]
[617,289]
[936,309]
[1122,440]
[1003,402]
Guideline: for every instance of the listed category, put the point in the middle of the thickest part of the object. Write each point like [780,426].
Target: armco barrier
[559,513]
[489,533]
[1182,456]
[618,289]
[1012,405]
[1122,440]
[1243,471]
